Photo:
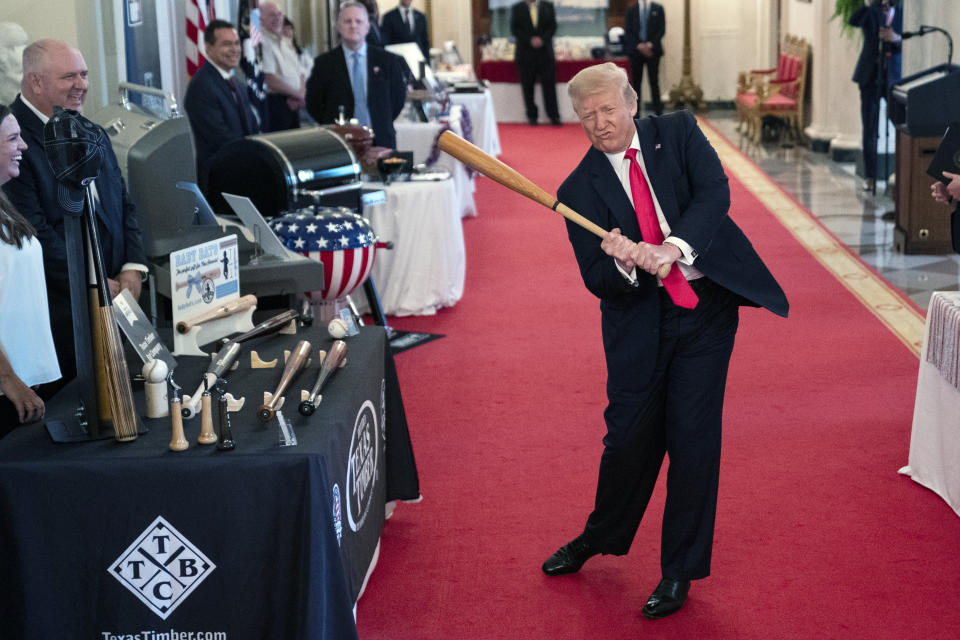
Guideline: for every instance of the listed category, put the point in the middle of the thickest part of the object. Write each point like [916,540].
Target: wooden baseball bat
[295,364]
[226,309]
[113,374]
[228,354]
[476,159]
[338,351]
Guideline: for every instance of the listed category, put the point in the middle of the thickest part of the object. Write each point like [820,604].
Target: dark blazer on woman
[870,19]
[328,87]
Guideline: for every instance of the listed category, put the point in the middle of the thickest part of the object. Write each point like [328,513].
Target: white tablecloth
[508,102]
[419,137]
[483,116]
[426,268]
[934,459]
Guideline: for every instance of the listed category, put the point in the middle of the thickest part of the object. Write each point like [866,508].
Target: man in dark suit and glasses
[644,26]
[533,23]
[367,81]
[405,24]
[668,343]
[216,101]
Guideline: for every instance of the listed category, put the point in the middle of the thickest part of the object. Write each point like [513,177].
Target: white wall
[79,22]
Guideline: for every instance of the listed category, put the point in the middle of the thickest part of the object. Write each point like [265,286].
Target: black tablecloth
[259,542]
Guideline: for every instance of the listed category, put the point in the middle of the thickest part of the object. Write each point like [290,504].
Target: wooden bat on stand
[226,309]
[332,361]
[227,355]
[297,361]
[476,159]
[113,376]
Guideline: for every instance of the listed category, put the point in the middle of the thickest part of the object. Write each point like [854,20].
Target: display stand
[189,343]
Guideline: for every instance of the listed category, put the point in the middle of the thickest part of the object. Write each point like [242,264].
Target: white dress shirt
[621,166]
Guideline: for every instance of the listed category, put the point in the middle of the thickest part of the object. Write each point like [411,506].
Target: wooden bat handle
[223,311]
[476,159]
[177,440]
[295,363]
[207,436]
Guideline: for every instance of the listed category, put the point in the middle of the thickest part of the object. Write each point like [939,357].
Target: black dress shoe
[532,122]
[667,598]
[556,122]
[570,557]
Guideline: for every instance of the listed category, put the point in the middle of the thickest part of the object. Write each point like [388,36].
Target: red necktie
[676,285]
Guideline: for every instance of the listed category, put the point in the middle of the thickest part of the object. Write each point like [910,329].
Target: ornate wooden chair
[778,92]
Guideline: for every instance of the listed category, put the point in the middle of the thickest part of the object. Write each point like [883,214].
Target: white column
[835,99]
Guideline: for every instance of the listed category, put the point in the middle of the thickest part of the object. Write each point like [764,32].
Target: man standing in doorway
[533,23]
[644,27]
[403,23]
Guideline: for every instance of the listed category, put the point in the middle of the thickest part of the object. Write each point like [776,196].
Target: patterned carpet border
[904,320]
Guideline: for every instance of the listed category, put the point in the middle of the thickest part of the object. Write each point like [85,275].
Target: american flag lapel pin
[376,69]
[657,147]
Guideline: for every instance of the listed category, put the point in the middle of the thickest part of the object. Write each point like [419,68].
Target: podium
[922,225]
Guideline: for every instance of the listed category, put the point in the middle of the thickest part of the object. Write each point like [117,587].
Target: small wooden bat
[295,364]
[476,159]
[338,351]
[226,309]
[228,354]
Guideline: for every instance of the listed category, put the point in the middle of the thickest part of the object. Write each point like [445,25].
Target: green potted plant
[843,10]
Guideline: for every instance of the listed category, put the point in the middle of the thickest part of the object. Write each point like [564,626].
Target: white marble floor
[864,222]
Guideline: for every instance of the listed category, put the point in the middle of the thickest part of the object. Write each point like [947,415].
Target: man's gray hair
[33,55]
[597,78]
[351,3]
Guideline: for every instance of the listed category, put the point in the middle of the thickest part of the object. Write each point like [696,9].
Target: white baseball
[337,328]
[155,371]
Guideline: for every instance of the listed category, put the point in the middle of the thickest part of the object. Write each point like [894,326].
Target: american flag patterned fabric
[195,27]
[341,240]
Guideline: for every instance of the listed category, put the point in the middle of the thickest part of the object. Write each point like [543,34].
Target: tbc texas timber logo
[362,466]
[161,567]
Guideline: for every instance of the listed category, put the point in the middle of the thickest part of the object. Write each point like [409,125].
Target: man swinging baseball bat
[659,186]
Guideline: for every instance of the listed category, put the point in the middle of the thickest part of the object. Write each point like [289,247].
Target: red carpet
[817,536]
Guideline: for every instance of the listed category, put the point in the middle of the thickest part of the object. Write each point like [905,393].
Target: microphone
[924,30]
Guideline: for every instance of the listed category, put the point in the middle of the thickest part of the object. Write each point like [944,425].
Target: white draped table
[934,459]
[420,137]
[426,268]
[483,116]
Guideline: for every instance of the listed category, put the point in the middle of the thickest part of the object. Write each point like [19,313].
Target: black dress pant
[637,63]
[870,123]
[544,69]
[677,412]
[280,116]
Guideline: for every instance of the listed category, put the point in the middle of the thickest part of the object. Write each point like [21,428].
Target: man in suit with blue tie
[644,27]
[658,185]
[403,23]
[366,81]
[216,101]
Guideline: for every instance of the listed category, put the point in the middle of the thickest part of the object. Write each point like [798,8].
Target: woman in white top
[27,355]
